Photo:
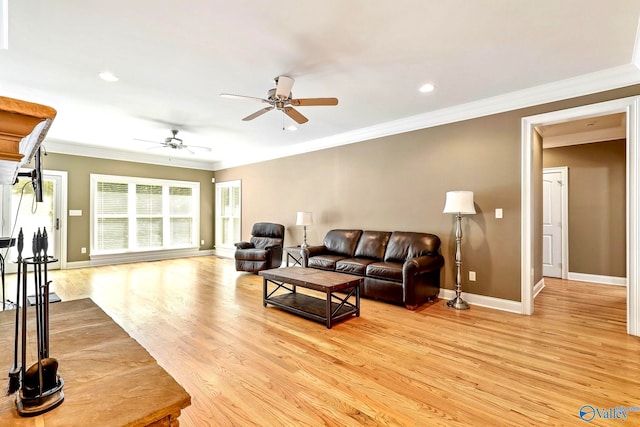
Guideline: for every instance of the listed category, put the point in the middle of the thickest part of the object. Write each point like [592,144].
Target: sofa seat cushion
[385,270]
[353,265]
[325,262]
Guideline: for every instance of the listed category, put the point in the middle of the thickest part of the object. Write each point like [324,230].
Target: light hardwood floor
[244,364]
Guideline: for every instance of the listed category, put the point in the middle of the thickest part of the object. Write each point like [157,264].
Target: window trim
[165,183]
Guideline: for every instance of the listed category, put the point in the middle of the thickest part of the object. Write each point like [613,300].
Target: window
[140,214]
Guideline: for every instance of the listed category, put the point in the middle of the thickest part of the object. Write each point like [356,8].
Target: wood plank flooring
[244,364]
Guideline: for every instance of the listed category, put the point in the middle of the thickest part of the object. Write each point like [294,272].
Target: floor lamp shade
[459,202]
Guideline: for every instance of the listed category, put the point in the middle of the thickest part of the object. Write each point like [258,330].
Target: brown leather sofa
[263,251]
[398,267]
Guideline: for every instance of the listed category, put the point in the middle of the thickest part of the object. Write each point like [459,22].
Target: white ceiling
[174,58]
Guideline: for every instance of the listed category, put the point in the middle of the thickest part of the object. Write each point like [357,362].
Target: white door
[228,215]
[553,186]
[24,213]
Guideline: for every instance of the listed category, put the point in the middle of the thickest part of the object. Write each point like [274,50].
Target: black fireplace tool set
[39,387]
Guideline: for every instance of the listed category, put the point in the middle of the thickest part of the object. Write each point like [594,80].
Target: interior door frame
[564,200]
[631,107]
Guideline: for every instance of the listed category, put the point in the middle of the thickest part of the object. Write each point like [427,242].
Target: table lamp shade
[459,202]
[304,218]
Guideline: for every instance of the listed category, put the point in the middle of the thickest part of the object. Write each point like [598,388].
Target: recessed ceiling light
[108,77]
[427,88]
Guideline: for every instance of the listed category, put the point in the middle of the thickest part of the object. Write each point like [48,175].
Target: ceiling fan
[176,143]
[280,98]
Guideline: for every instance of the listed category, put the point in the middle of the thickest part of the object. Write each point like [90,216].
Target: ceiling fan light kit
[281,98]
[176,143]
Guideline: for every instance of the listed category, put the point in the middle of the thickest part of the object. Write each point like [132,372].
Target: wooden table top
[312,278]
[109,379]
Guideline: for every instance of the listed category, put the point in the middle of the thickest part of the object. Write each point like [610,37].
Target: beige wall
[597,206]
[399,183]
[79,168]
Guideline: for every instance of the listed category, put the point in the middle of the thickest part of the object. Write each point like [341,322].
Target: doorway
[555,222]
[20,211]
[631,108]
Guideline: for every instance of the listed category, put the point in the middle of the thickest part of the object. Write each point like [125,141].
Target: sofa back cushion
[266,234]
[268,229]
[372,244]
[263,242]
[342,242]
[404,245]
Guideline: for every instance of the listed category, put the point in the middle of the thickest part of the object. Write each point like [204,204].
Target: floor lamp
[459,203]
[304,219]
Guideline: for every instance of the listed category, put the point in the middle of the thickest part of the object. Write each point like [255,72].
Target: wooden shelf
[23,126]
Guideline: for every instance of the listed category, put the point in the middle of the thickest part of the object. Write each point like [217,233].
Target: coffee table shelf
[311,307]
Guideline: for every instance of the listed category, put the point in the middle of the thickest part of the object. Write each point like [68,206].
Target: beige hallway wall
[597,205]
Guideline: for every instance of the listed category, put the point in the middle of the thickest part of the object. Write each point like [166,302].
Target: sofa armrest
[310,251]
[272,247]
[243,245]
[422,264]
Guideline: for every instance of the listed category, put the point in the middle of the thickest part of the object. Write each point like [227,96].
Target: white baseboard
[594,278]
[484,301]
[139,257]
[538,287]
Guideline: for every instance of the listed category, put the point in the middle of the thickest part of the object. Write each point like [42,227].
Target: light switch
[499,213]
[75,212]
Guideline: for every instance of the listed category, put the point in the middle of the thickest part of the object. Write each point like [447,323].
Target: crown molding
[75,149]
[586,84]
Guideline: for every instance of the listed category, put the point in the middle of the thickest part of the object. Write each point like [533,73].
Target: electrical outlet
[83,250]
[472,276]
[499,213]
[202,242]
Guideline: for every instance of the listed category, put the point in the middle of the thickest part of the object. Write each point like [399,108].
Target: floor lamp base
[458,303]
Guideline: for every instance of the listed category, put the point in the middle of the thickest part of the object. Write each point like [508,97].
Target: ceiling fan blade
[242,97]
[146,140]
[283,90]
[314,101]
[198,147]
[295,115]
[257,114]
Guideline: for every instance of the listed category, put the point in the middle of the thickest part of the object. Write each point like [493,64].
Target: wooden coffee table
[328,310]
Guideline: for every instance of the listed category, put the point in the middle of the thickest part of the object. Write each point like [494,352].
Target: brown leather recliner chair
[263,251]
